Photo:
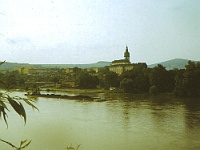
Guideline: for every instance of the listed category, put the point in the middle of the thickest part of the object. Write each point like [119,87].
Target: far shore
[82,91]
[74,90]
[100,90]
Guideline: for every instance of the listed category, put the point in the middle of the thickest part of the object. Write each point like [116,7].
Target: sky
[88,31]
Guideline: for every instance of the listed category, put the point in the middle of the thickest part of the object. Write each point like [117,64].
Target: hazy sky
[87,31]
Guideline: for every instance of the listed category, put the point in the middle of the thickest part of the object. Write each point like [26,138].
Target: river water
[124,122]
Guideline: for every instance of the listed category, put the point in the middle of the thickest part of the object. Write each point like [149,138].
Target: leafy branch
[23,144]
[5,99]
[15,103]
[72,148]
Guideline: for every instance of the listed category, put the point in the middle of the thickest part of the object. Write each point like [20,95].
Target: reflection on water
[192,123]
[125,121]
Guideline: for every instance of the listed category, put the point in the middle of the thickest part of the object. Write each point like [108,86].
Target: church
[121,65]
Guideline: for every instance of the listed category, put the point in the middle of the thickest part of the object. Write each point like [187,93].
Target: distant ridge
[170,64]
[91,65]
[173,63]
[10,65]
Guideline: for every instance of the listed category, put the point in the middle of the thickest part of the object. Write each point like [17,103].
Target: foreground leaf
[2,62]
[23,144]
[8,143]
[26,145]
[2,110]
[29,103]
[72,148]
[3,104]
[18,107]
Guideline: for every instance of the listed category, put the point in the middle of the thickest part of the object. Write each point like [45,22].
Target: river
[124,122]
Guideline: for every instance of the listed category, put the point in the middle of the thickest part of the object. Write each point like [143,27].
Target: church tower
[127,54]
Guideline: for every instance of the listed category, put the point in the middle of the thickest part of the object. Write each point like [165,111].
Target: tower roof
[126,54]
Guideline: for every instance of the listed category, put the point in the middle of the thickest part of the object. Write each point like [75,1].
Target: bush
[153,90]
[127,85]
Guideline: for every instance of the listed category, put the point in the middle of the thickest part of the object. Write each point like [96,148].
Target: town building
[121,65]
[23,70]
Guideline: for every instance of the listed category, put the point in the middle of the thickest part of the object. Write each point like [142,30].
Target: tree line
[141,79]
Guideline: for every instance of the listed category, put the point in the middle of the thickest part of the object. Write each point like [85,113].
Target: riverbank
[74,91]
[82,91]
[91,91]
[77,91]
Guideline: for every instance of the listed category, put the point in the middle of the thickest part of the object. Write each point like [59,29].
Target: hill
[173,63]
[92,65]
[170,64]
[10,66]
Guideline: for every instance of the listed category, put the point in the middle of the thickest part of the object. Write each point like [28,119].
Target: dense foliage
[162,79]
[141,79]
[188,81]
[86,80]
[136,80]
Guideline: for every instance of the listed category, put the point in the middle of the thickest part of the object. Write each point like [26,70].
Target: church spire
[127,54]
[126,48]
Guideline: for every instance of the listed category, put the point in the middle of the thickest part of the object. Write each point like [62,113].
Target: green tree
[188,81]
[9,80]
[85,80]
[101,75]
[76,73]
[55,79]
[111,79]
[180,86]
[153,90]
[127,85]
[162,79]
[139,76]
